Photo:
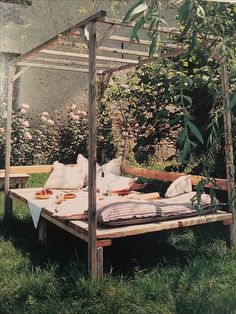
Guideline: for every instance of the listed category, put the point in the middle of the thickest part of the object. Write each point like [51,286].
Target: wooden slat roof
[115,52]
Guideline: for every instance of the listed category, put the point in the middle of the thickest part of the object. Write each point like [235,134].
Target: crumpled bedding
[117,211]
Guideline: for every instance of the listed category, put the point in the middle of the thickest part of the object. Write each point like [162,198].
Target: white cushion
[114,182]
[179,186]
[113,166]
[82,164]
[65,177]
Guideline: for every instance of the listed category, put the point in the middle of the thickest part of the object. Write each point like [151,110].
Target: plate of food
[43,194]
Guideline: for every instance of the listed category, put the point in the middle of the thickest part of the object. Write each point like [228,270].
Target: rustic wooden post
[8,200]
[42,231]
[230,170]
[92,217]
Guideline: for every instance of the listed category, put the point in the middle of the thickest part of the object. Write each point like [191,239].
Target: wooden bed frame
[104,236]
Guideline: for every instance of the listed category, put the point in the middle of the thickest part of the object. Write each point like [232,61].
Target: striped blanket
[125,210]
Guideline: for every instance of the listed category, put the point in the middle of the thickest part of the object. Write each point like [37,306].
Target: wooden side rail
[31,169]
[171,176]
[139,172]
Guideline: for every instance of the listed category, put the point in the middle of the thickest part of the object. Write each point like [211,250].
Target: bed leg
[8,208]
[100,262]
[42,231]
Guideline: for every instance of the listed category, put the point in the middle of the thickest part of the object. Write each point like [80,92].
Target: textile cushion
[114,182]
[179,186]
[65,177]
[82,164]
[113,166]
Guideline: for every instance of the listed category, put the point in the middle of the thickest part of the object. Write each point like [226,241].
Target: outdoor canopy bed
[63,52]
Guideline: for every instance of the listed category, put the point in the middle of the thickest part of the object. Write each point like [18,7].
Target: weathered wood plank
[20,73]
[160,29]
[92,217]
[66,62]
[31,169]
[229,153]
[42,231]
[48,65]
[126,51]
[100,262]
[8,202]
[86,56]
[147,42]
[119,232]
[171,176]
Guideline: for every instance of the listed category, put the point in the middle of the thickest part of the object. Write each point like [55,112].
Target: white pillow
[65,177]
[114,182]
[179,186]
[113,166]
[82,164]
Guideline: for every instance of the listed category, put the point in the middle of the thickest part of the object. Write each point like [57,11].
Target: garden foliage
[59,136]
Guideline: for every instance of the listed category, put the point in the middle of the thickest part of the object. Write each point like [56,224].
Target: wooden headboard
[138,172]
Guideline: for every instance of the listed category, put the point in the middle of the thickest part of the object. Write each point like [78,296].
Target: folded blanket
[125,210]
[117,208]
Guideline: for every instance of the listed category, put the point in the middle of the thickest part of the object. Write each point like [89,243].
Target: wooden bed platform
[79,228]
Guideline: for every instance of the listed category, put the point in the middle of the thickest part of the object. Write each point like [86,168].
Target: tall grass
[192,272]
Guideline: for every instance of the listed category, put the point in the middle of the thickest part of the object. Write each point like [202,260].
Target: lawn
[186,271]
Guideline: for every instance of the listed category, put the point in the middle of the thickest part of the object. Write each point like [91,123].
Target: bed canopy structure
[100,46]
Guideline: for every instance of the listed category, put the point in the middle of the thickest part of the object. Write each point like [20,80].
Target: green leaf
[185,150]
[136,29]
[232,102]
[182,137]
[189,99]
[194,129]
[184,10]
[153,45]
[135,10]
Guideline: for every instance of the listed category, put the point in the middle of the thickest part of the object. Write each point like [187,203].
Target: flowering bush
[61,136]
[73,134]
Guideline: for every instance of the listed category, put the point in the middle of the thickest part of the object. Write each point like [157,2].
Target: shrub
[59,136]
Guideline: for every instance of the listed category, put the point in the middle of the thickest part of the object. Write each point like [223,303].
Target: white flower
[84,113]
[50,122]
[73,107]
[45,114]
[74,117]
[25,124]
[79,112]
[24,106]
[2,130]
[27,136]
[43,118]
[23,110]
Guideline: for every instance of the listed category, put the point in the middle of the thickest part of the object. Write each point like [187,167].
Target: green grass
[186,271]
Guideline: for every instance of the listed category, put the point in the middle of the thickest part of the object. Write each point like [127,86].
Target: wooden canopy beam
[21,72]
[86,56]
[146,42]
[126,51]
[65,62]
[53,66]
[160,29]
[52,40]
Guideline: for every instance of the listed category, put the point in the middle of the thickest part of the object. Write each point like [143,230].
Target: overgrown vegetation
[59,136]
[183,93]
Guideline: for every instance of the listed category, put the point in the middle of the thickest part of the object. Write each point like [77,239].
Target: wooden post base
[100,263]
[42,231]
[7,208]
